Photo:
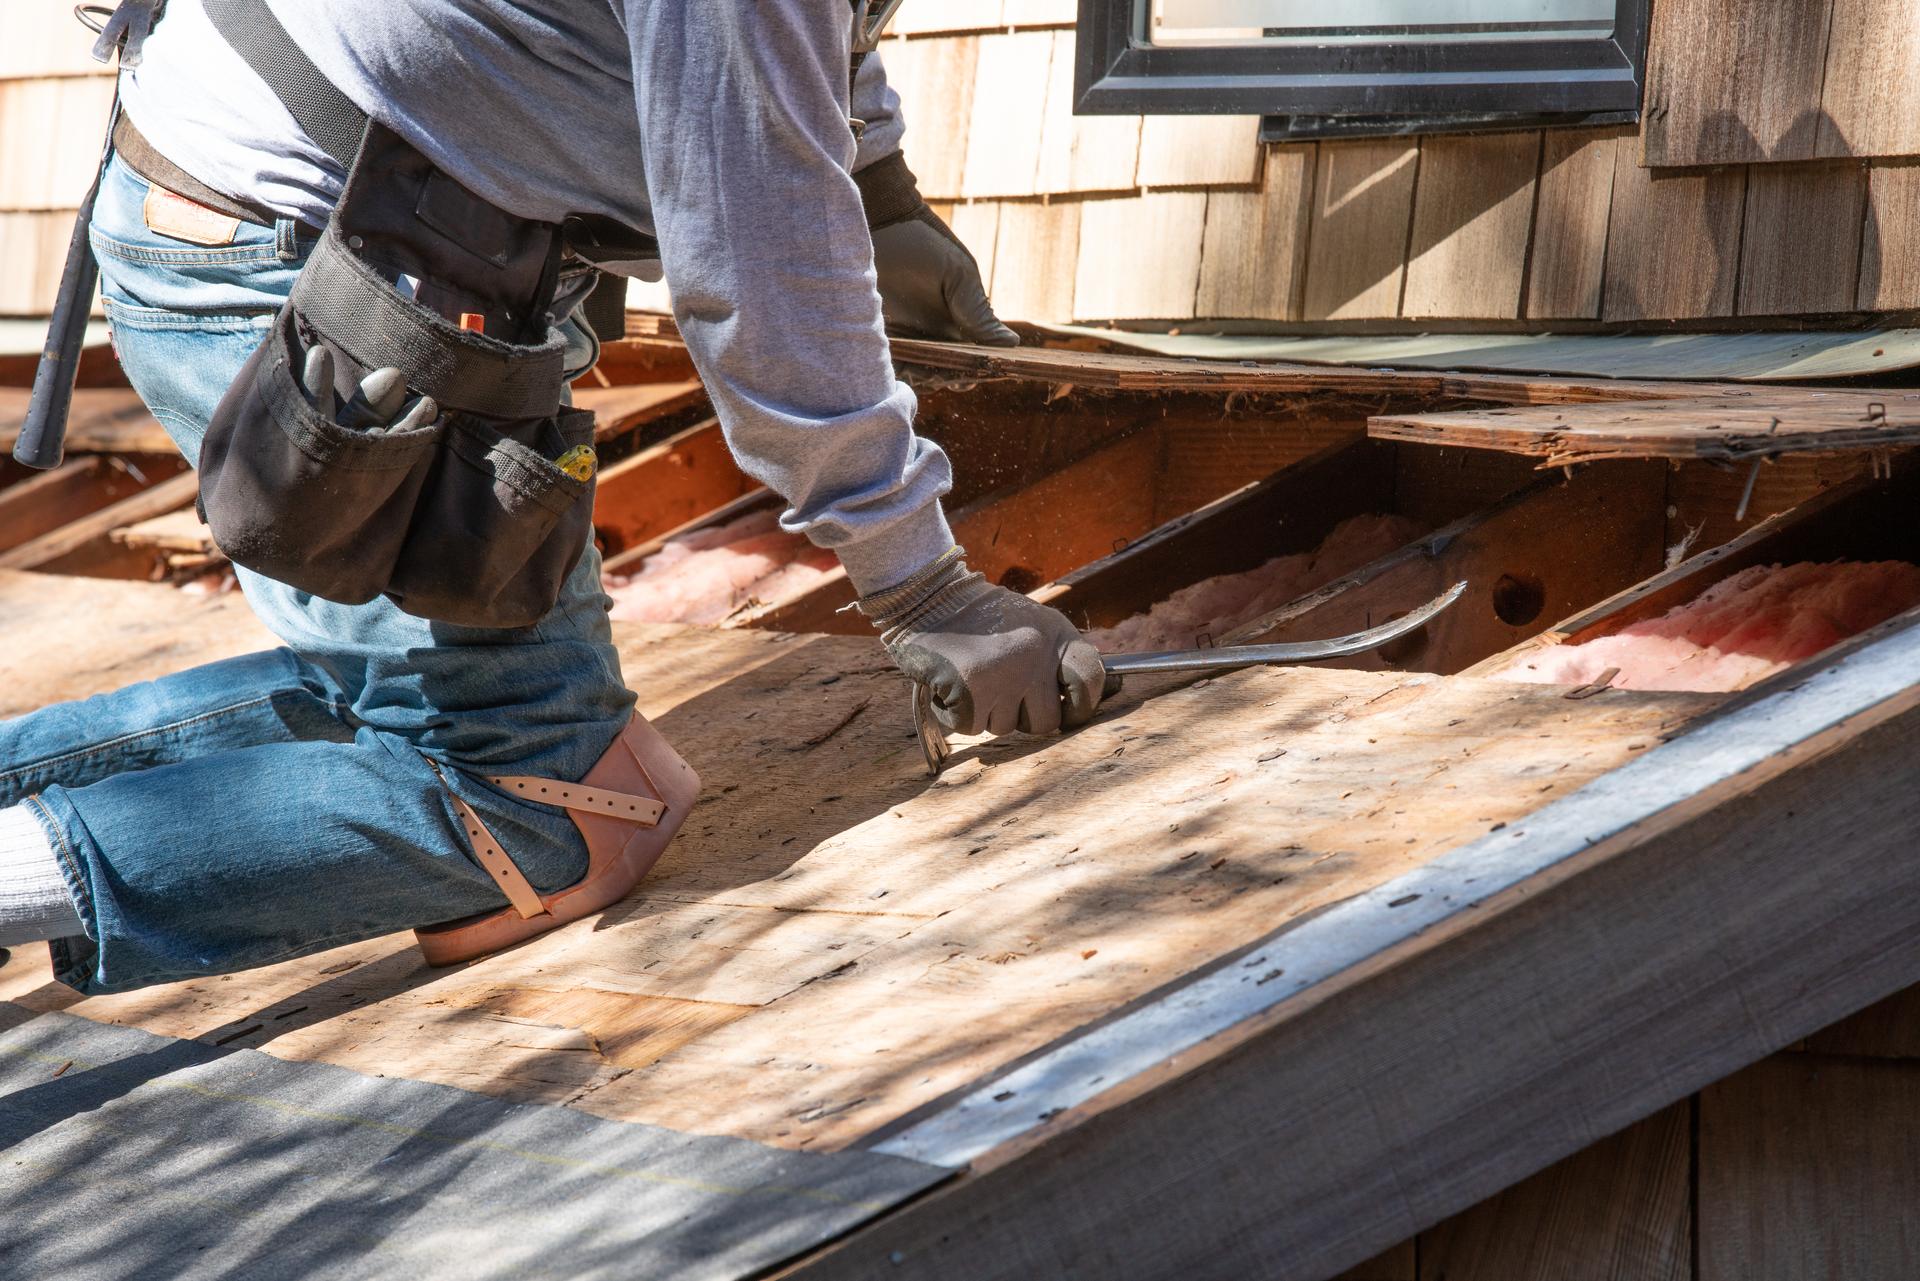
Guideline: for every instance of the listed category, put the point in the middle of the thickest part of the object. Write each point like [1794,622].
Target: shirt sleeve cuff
[898,552]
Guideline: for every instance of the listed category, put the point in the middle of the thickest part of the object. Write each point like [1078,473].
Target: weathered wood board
[103,420]
[57,547]
[1730,83]
[1734,429]
[1473,209]
[1618,1211]
[1357,235]
[834,939]
[1126,371]
[1807,1169]
[1569,245]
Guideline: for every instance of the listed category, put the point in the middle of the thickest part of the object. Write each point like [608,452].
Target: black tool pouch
[466,520]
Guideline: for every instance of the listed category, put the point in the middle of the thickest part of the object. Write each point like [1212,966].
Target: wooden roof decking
[839,951]
[839,940]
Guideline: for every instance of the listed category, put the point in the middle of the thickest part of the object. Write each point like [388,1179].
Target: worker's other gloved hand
[380,403]
[930,286]
[995,660]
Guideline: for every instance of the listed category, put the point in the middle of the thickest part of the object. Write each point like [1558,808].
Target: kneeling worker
[342,247]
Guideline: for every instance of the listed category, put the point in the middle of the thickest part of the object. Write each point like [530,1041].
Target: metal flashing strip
[1754,356]
[1351,932]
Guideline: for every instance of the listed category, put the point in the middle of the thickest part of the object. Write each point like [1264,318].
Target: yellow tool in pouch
[580,462]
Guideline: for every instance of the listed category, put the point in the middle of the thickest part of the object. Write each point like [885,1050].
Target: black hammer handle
[43,436]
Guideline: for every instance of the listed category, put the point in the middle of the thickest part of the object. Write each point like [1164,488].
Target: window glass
[1289,22]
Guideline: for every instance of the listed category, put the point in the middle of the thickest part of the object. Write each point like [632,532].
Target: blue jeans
[281,803]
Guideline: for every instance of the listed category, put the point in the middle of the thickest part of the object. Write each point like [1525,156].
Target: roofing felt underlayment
[133,1155]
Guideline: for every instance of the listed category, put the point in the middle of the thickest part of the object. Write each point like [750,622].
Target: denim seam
[98,748]
[234,255]
[132,316]
[69,868]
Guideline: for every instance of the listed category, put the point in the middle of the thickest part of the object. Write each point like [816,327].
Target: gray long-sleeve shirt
[718,125]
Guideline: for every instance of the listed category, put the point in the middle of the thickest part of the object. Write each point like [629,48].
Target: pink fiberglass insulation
[1215,606]
[710,574]
[1741,629]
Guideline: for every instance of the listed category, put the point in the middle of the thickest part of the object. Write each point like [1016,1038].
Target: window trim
[1117,73]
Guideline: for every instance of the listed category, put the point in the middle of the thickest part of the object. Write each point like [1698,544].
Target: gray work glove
[376,405]
[995,660]
[930,285]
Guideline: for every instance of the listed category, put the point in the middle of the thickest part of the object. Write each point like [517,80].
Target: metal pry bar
[1231,656]
[933,741]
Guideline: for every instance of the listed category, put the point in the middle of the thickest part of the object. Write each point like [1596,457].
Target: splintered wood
[834,939]
[1728,429]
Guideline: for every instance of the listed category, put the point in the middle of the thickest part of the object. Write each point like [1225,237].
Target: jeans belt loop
[286,239]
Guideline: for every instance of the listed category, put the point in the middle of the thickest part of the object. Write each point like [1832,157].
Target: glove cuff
[888,191]
[933,592]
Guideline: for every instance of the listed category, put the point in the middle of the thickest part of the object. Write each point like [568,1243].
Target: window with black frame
[1329,68]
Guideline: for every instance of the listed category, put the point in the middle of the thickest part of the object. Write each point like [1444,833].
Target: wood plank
[1041,13]
[1289,512]
[934,79]
[1800,247]
[1009,98]
[1060,522]
[629,560]
[1205,459]
[1457,1058]
[1082,153]
[43,164]
[44,40]
[1254,252]
[1537,555]
[105,420]
[1005,934]
[1472,207]
[1887,1029]
[180,531]
[1127,371]
[1730,83]
[1042,526]
[1357,238]
[1807,1168]
[1401,1263]
[1727,430]
[1871,102]
[621,409]
[999,974]
[34,246]
[1000,445]
[1890,241]
[948,17]
[1616,1211]
[1568,254]
[977,223]
[1673,242]
[50,654]
[664,486]
[1705,502]
[83,484]
[72,539]
[1199,151]
[1037,251]
[1139,256]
